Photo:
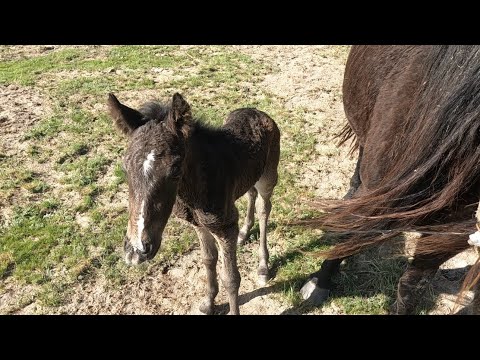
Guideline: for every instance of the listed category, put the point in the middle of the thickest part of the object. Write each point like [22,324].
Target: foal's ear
[125,118]
[181,117]
[180,109]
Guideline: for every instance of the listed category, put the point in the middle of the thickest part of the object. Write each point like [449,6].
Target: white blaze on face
[137,242]
[148,163]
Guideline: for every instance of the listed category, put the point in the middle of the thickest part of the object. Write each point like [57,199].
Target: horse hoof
[399,308]
[206,309]
[262,280]
[241,240]
[314,294]
[242,237]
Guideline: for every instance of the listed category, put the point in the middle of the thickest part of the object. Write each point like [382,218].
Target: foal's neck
[206,154]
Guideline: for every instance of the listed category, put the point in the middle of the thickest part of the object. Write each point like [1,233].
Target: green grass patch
[7,264]
[28,71]
[367,283]
[73,151]
[120,177]
[12,177]
[135,57]
[52,294]
[37,186]
[46,128]
[43,240]
[84,171]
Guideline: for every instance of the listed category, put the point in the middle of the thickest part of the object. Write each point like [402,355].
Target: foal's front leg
[210,257]
[227,241]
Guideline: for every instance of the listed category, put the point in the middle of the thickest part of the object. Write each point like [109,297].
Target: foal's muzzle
[135,256]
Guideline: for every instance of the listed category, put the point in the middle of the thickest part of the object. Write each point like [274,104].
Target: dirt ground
[304,83]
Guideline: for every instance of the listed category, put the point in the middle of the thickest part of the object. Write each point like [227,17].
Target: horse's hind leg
[411,285]
[249,218]
[210,256]
[476,300]
[317,288]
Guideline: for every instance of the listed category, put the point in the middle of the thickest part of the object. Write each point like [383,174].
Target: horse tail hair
[435,165]
[346,134]
[470,282]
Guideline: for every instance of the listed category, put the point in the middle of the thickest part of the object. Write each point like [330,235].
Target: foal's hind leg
[263,205]
[210,256]
[249,218]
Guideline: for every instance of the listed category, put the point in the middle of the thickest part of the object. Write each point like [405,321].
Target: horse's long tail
[346,134]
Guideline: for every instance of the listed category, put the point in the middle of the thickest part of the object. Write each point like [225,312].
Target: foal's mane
[155,110]
[158,111]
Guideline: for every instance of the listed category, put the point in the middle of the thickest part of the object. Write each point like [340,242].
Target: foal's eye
[175,171]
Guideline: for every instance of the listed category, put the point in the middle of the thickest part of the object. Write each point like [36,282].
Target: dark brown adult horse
[415,113]
[176,163]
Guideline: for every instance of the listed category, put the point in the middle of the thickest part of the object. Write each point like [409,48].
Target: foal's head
[154,165]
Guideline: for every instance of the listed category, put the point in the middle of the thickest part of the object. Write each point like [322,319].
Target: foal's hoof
[400,308]
[206,308]
[242,238]
[314,294]
[262,280]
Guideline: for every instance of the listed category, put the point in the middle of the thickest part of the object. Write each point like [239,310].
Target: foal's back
[255,142]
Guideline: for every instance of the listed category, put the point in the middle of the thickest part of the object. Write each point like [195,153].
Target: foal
[175,163]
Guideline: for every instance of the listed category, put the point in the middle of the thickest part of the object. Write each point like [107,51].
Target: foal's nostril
[147,248]
[126,244]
